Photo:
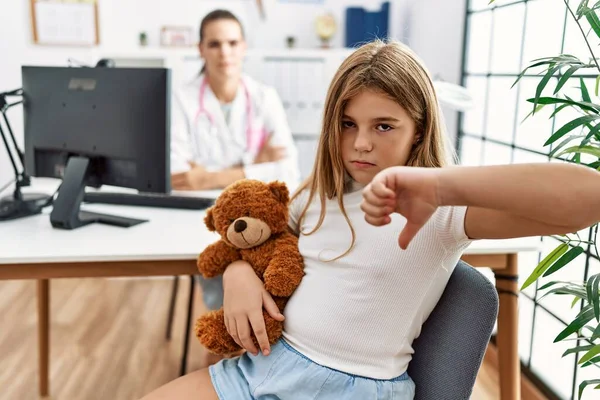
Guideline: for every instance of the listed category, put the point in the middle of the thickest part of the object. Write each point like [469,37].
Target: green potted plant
[579,136]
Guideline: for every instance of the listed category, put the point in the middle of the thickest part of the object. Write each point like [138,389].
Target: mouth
[253,244]
[362,164]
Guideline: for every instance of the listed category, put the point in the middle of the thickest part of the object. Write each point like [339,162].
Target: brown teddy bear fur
[251,216]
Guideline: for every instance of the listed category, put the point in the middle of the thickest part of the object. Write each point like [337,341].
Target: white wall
[432,28]
[436,34]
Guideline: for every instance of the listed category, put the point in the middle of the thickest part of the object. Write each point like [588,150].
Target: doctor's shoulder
[262,93]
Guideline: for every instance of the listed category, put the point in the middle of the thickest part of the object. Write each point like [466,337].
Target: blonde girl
[382,222]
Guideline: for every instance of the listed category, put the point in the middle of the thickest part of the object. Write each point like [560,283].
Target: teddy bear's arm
[285,270]
[215,258]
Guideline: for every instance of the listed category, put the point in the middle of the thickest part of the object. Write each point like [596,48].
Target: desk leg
[43,296]
[508,331]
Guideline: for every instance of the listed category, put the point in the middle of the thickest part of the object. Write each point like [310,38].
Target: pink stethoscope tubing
[255,137]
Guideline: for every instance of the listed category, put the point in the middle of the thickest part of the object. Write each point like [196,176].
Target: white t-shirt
[360,314]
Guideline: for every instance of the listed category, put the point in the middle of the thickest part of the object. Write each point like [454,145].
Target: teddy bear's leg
[212,333]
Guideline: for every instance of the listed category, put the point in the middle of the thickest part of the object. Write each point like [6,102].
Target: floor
[107,339]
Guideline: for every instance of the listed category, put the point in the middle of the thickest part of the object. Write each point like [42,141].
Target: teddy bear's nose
[240,226]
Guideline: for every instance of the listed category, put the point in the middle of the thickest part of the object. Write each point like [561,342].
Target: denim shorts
[288,375]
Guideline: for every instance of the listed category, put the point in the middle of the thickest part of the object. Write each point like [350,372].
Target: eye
[348,124]
[384,127]
[233,43]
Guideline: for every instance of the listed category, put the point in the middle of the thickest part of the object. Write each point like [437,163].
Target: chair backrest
[449,351]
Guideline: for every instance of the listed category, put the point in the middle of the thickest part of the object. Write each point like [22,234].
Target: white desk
[169,243]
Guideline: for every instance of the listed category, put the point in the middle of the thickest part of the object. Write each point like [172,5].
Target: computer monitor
[97,126]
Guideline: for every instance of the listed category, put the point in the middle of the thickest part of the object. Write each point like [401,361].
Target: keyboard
[149,200]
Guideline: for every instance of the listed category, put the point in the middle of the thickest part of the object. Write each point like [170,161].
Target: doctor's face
[223,48]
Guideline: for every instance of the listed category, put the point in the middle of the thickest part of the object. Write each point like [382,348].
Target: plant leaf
[569,126]
[594,22]
[590,107]
[583,318]
[545,264]
[543,82]
[592,293]
[565,291]
[564,260]
[596,333]
[565,142]
[558,109]
[566,77]
[597,82]
[590,354]
[578,349]
[575,301]
[594,151]
[585,95]
[593,361]
[552,283]
[538,108]
[583,384]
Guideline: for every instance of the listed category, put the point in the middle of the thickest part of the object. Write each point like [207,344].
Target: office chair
[450,348]
[449,351]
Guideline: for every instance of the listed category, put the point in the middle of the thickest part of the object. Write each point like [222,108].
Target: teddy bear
[251,217]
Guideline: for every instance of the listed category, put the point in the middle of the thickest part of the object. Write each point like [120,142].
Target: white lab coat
[216,145]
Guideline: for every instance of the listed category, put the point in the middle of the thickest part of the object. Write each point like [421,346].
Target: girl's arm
[503,201]
[522,199]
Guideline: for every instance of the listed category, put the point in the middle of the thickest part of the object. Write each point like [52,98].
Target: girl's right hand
[243,302]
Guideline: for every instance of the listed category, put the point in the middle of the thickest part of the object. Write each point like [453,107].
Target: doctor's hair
[394,70]
[217,15]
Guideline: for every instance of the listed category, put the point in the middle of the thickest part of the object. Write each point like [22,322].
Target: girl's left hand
[410,191]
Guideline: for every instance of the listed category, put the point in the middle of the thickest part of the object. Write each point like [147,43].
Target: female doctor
[227,126]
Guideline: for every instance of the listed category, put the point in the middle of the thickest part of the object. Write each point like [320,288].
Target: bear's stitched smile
[260,237]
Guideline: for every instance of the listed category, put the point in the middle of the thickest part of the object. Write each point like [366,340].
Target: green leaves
[593,151]
[545,264]
[583,385]
[592,294]
[575,138]
[569,126]
[564,260]
[593,20]
[583,318]
[590,354]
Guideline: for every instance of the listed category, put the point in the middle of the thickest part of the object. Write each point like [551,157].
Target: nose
[363,142]
[240,226]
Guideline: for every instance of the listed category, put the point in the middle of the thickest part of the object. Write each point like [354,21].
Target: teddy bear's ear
[209,221]
[280,191]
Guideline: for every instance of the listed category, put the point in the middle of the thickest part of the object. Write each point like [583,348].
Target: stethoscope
[255,138]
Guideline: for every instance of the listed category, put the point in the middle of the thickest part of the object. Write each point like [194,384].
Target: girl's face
[377,133]
[223,48]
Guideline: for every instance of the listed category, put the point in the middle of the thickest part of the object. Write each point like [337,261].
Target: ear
[280,191]
[209,221]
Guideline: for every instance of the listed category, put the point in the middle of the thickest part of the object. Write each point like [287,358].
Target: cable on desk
[6,186]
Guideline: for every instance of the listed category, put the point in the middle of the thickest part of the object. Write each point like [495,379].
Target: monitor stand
[66,213]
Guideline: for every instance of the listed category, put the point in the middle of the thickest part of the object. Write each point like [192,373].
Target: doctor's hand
[269,153]
[409,191]
[197,178]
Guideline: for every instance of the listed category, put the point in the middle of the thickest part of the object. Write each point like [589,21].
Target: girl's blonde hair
[394,70]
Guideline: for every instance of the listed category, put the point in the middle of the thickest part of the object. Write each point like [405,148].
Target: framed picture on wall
[65,22]
[177,36]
